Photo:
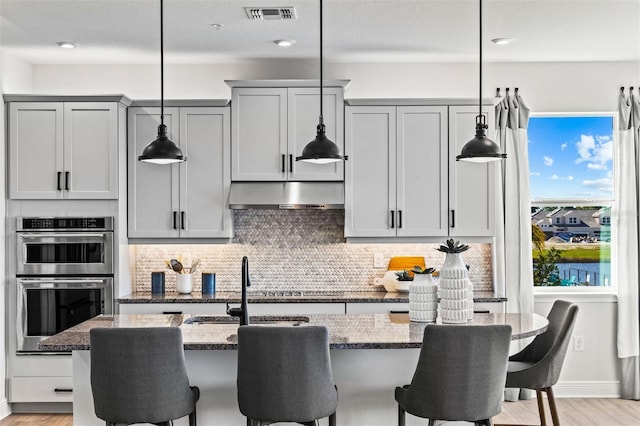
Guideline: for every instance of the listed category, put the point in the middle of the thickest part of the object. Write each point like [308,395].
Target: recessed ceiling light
[217,27]
[501,41]
[67,44]
[285,43]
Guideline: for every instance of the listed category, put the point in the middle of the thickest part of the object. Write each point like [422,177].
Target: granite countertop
[289,296]
[346,331]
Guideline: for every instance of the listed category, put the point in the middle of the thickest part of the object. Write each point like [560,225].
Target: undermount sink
[254,320]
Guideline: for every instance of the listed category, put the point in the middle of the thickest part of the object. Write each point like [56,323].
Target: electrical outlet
[578,343]
[378,260]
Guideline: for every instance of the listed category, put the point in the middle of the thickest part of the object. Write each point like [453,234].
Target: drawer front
[41,389]
[173,308]
[376,308]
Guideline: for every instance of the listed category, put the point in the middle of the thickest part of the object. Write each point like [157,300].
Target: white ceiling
[127,31]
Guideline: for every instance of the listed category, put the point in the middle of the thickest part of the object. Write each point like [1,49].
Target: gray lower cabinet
[64,150]
[402,179]
[183,200]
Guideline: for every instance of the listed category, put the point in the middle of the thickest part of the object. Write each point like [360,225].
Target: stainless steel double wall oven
[64,275]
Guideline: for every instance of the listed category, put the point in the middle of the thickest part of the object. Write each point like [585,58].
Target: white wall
[17,74]
[546,87]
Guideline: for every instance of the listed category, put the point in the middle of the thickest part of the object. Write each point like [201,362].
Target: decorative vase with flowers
[454,287]
[423,296]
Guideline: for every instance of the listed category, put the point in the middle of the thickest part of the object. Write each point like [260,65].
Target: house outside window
[571,176]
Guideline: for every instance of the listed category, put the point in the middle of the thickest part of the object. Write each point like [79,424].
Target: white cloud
[535,173]
[548,161]
[596,150]
[563,146]
[603,184]
[569,178]
[596,166]
[554,177]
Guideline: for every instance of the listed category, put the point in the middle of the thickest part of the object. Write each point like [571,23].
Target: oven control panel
[65,223]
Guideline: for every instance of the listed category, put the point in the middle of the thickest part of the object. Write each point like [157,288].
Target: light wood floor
[573,412]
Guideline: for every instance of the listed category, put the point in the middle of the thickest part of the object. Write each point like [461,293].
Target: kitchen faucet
[242,311]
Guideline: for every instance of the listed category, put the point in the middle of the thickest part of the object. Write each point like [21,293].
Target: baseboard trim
[587,389]
[5,408]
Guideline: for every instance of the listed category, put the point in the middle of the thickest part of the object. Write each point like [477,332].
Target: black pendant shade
[480,149]
[162,150]
[321,150]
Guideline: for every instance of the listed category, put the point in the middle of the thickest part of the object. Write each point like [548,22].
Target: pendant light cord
[321,118]
[480,65]
[161,66]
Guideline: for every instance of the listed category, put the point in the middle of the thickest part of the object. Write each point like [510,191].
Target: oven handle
[58,235]
[53,281]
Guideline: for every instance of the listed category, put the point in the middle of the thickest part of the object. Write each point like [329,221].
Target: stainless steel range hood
[286,195]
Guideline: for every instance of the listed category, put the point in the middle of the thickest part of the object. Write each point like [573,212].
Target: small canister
[208,283]
[157,282]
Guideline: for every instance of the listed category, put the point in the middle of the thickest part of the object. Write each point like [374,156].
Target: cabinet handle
[290,163]
[66,180]
[59,177]
[453,218]
[63,390]
[393,219]
[175,219]
[283,160]
[399,219]
[182,220]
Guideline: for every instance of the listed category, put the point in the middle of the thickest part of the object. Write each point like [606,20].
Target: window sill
[577,294]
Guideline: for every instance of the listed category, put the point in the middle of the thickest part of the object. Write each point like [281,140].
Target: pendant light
[162,150]
[480,149]
[321,150]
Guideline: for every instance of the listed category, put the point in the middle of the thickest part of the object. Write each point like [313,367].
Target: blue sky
[571,157]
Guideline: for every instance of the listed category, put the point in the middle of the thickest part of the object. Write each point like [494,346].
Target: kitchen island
[371,354]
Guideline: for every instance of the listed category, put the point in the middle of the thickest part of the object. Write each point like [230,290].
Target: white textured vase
[469,300]
[423,298]
[454,290]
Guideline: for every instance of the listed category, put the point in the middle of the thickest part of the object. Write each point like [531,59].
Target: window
[571,176]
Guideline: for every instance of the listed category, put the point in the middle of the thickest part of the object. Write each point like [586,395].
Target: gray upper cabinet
[472,195]
[64,149]
[272,125]
[183,200]
[396,182]
[402,179]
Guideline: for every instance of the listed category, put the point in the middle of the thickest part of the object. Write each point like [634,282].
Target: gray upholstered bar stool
[138,375]
[284,375]
[539,364]
[460,374]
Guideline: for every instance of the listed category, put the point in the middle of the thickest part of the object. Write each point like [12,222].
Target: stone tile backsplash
[296,250]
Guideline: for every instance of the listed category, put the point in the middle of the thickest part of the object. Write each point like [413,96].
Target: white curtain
[625,244]
[513,237]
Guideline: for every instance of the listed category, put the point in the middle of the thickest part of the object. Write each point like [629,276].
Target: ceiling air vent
[270,13]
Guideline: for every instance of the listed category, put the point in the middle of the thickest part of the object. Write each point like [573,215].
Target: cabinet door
[91,150]
[205,177]
[472,186]
[370,175]
[36,150]
[303,111]
[153,188]
[422,171]
[259,134]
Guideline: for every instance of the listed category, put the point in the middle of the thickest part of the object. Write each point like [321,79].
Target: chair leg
[432,422]
[543,418]
[552,406]
[192,418]
[332,420]
[401,416]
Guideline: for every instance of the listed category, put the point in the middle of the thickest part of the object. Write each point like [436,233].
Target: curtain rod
[506,89]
